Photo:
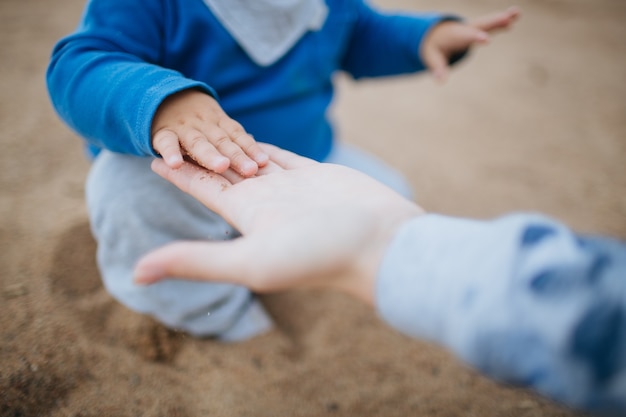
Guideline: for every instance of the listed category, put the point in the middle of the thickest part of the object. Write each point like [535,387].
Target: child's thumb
[437,64]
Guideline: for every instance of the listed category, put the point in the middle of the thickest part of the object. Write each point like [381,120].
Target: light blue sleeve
[521,298]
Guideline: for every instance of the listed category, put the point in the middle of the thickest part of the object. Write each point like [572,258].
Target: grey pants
[132,211]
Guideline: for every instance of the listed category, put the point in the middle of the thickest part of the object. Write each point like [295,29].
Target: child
[204,79]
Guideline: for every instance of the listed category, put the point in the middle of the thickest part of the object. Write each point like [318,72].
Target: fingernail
[262,158]
[173,160]
[221,164]
[249,168]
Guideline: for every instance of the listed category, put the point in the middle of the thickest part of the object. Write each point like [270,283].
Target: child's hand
[193,123]
[450,37]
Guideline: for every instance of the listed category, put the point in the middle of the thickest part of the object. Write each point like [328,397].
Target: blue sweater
[107,79]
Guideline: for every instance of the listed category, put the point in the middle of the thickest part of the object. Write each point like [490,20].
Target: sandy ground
[536,121]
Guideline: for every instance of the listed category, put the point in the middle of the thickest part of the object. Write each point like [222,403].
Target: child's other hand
[450,37]
[193,123]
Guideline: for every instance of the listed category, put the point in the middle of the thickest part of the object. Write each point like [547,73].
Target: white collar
[267,29]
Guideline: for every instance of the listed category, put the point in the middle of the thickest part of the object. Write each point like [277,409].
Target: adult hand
[304,224]
[451,37]
[193,123]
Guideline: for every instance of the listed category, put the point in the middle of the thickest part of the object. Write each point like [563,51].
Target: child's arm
[384,44]
[450,38]
[110,82]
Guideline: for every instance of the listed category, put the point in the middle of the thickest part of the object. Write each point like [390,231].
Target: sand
[536,121]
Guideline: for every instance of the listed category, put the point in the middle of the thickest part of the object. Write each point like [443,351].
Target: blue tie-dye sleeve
[521,298]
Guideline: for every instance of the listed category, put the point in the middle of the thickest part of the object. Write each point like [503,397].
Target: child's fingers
[214,149]
[465,36]
[165,142]
[239,161]
[244,140]
[436,62]
[498,20]
[201,149]
[251,148]
[447,39]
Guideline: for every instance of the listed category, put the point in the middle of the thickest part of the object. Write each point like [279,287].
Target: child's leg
[132,210]
[360,160]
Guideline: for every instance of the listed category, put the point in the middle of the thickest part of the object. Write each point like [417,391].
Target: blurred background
[536,121]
